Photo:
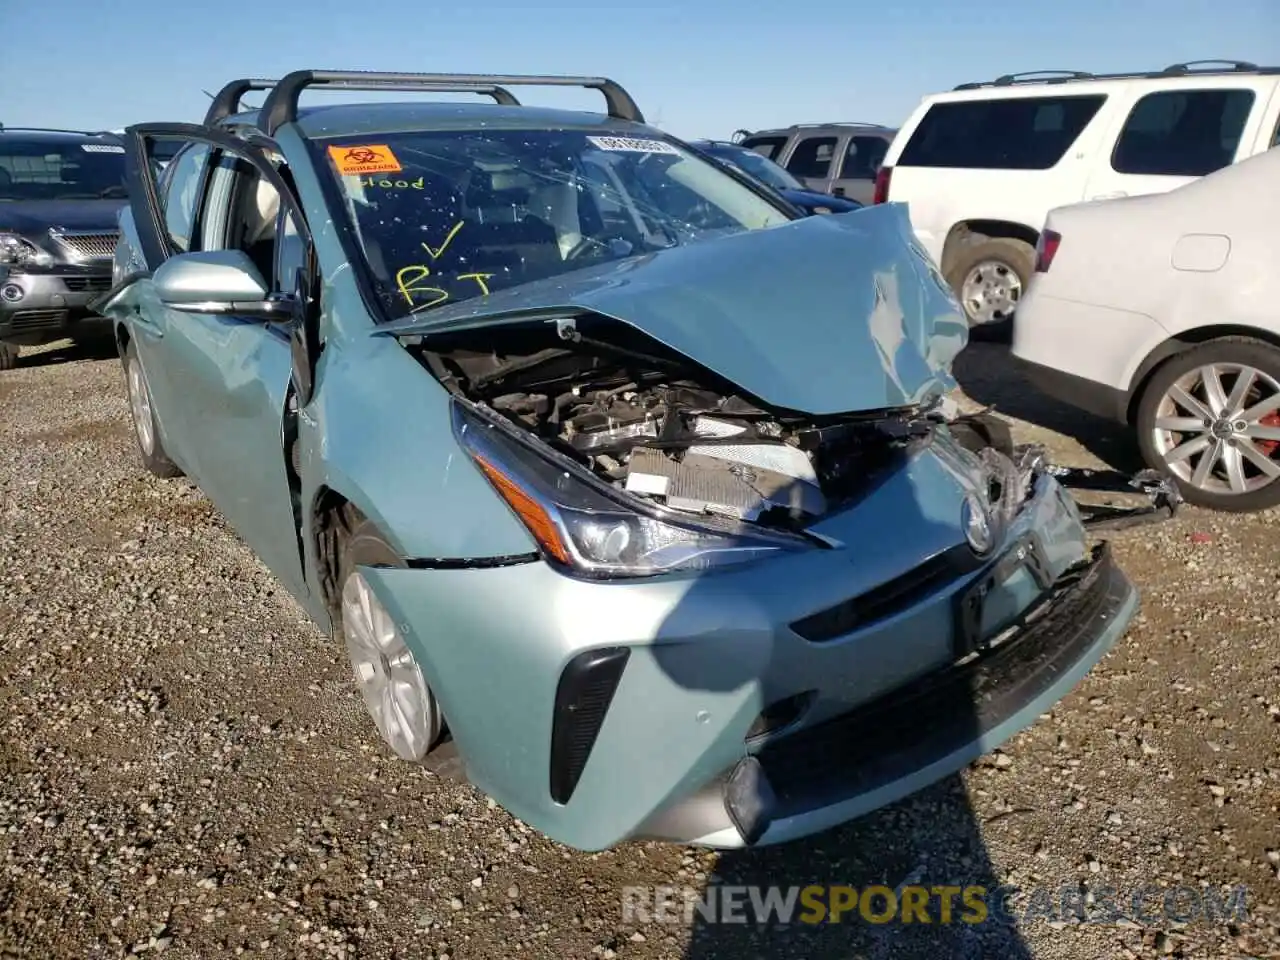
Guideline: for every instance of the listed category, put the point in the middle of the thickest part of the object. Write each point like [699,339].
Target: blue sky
[697,67]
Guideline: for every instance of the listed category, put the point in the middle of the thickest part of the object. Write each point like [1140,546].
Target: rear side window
[1182,133]
[1023,133]
[769,146]
[812,157]
[862,158]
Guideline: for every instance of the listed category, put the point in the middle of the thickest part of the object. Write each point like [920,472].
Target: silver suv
[810,151]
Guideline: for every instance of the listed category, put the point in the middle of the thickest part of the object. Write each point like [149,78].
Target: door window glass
[812,158]
[1182,133]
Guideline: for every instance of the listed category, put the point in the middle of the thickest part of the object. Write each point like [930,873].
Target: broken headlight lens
[584,527]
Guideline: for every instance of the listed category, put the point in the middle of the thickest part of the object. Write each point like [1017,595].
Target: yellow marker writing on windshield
[479,278]
[409,280]
[438,252]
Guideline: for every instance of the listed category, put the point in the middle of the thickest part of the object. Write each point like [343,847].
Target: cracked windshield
[449,217]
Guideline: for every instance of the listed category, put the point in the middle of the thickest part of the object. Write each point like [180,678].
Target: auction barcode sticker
[633,145]
[101,148]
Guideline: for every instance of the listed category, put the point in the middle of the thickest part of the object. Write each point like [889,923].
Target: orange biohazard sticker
[366,158]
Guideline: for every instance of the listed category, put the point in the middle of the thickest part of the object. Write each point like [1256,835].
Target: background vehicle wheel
[8,355]
[988,276]
[145,430]
[1211,416]
[395,692]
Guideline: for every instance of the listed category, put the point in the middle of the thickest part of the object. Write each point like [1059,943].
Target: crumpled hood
[822,315]
[38,216]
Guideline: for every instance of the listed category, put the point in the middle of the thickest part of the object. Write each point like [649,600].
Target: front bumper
[672,673]
[912,737]
[51,304]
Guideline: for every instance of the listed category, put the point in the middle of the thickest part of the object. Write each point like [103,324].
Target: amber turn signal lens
[527,509]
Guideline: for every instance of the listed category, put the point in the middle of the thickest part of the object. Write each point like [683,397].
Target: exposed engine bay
[655,426]
[650,426]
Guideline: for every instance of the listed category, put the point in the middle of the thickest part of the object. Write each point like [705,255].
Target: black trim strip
[477,563]
[889,598]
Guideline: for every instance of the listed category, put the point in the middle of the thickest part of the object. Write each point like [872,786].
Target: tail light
[1046,250]
[881,194]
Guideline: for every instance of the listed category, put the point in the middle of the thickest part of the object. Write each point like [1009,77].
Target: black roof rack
[281,106]
[227,102]
[1191,68]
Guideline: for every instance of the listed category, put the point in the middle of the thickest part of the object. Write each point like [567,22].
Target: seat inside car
[502,236]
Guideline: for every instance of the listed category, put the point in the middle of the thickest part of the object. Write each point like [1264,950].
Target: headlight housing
[586,529]
[16,251]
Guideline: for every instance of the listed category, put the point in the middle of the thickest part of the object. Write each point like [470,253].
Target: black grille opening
[583,695]
[781,714]
[890,597]
[85,284]
[36,319]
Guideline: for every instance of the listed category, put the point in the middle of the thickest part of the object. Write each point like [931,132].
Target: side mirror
[217,282]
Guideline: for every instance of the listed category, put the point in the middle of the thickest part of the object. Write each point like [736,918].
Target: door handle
[1109,196]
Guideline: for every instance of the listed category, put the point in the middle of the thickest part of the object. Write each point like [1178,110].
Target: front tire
[146,428]
[1211,417]
[395,692]
[8,355]
[988,276]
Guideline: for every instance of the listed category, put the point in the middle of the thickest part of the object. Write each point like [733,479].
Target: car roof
[376,119]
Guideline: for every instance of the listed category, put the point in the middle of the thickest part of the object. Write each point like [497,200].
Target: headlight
[586,528]
[15,250]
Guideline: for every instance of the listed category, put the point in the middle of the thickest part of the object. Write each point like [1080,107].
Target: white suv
[982,165]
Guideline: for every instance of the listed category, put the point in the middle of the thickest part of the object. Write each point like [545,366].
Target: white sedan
[1163,312]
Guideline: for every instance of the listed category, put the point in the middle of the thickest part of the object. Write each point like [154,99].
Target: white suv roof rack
[1196,67]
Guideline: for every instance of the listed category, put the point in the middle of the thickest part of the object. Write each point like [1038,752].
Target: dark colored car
[60,195]
[769,173]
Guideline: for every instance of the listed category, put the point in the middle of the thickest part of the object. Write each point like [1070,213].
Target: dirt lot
[185,768]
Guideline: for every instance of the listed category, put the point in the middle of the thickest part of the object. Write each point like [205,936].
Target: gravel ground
[184,767]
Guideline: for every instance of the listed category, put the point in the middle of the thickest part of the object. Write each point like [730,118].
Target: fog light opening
[781,714]
[12,293]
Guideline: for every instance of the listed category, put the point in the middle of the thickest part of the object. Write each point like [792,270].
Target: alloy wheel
[1217,428]
[140,406]
[387,675]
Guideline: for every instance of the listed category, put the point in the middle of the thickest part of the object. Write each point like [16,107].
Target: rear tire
[146,429]
[396,694]
[988,275]
[8,355]
[1178,386]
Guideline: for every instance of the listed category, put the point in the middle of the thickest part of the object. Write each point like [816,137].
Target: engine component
[718,485]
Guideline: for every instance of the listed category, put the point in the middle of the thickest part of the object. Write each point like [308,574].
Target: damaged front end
[749,386]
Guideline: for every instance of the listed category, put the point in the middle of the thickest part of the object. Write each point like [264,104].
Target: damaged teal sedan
[631,493]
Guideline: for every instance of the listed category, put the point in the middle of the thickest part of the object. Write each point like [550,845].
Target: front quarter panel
[379,433]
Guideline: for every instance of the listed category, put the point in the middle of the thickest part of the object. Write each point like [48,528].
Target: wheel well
[965,230]
[333,517]
[1170,348]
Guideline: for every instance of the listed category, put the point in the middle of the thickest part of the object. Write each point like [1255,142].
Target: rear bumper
[1079,392]
[49,306]
[894,746]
